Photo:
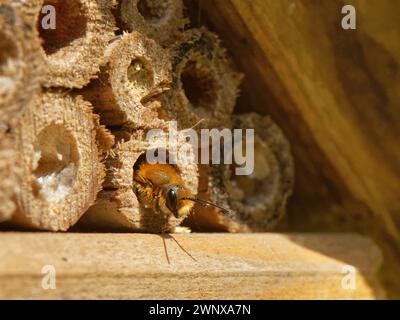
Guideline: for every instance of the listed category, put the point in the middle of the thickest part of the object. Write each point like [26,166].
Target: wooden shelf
[226,266]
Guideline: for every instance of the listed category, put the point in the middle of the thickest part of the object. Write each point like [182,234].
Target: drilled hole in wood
[56,162]
[70,24]
[199,85]
[261,183]
[153,10]
[140,74]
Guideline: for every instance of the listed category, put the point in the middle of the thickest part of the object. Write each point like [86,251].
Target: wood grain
[21,66]
[71,52]
[60,158]
[9,176]
[226,266]
[336,94]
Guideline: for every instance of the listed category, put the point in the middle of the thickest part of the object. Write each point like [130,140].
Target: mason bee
[160,188]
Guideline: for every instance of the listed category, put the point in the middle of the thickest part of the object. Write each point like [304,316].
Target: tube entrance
[70,24]
[57,163]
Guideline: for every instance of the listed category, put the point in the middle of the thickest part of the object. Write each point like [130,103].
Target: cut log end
[117,206]
[204,85]
[260,198]
[74,36]
[161,20]
[60,161]
[212,189]
[135,68]
[256,201]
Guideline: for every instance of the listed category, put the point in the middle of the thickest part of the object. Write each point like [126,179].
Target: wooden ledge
[226,266]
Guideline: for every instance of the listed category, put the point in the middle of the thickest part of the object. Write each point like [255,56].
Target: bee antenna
[205,203]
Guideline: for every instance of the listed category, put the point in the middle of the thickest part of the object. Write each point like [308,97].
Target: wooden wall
[336,94]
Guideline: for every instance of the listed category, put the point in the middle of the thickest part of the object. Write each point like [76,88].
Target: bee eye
[172,201]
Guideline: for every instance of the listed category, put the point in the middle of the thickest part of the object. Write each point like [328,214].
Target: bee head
[176,200]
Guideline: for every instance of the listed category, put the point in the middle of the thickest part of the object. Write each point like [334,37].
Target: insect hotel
[274,130]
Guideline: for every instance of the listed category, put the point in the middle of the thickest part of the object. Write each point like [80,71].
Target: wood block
[222,266]
[73,47]
[134,68]
[21,66]
[257,200]
[61,148]
[117,206]
[160,20]
[204,86]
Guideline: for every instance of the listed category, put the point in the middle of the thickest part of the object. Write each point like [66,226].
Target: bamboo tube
[257,201]
[20,64]
[8,177]
[135,67]
[204,84]
[74,47]
[117,207]
[60,145]
[161,20]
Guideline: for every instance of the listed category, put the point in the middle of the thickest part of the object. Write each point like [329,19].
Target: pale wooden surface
[58,151]
[227,266]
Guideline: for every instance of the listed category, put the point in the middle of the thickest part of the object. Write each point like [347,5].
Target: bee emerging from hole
[160,188]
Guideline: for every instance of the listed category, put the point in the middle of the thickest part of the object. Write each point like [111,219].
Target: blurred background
[336,94]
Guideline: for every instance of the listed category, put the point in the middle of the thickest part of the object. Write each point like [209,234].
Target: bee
[159,187]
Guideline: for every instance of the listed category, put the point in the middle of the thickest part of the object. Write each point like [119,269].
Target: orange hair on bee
[160,187]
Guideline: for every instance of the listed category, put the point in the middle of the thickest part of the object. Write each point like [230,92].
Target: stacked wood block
[135,67]
[78,101]
[146,81]
[58,143]
[157,19]
[104,74]
[117,207]
[204,83]
[59,154]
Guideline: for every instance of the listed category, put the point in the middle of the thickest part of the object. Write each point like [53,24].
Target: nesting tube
[117,207]
[74,36]
[135,68]
[20,64]
[8,176]
[260,198]
[204,83]
[161,20]
[257,201]
[60,145]
[212,188]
